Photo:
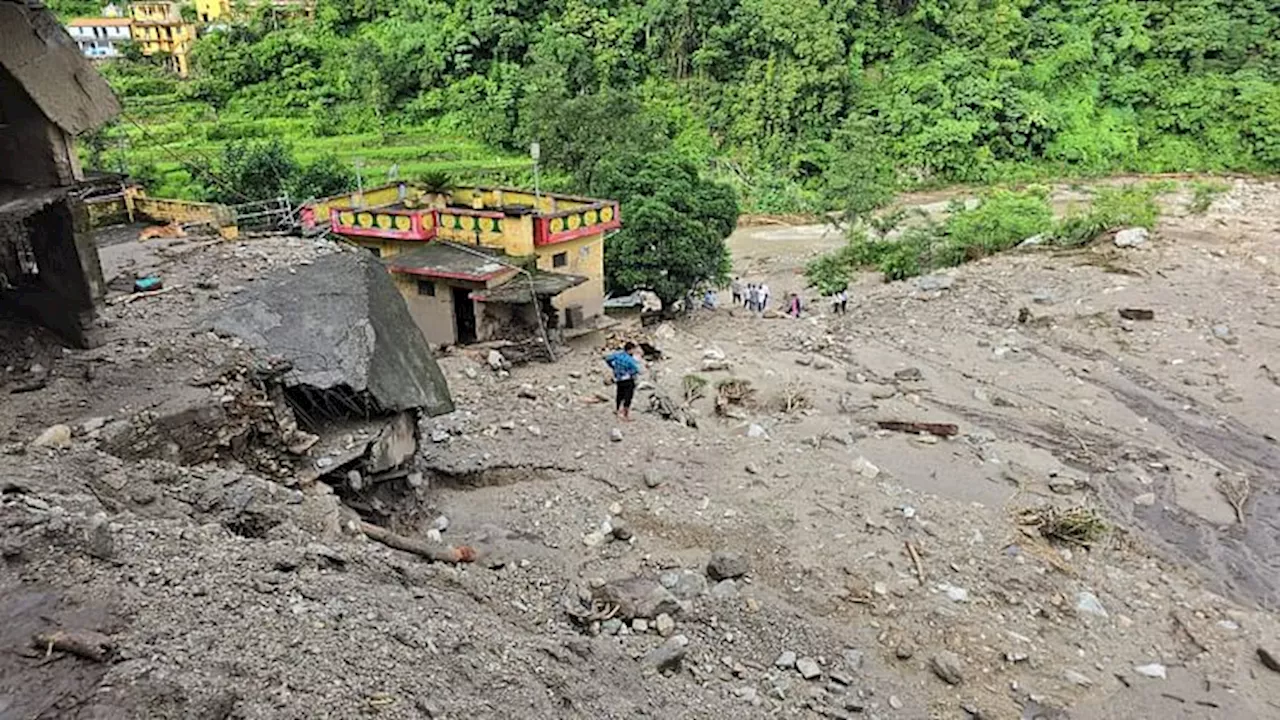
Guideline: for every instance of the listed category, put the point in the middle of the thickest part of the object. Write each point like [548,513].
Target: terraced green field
[171,139]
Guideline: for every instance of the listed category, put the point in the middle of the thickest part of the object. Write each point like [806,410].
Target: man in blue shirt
[625,370]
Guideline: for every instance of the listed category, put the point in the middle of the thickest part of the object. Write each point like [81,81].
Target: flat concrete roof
[449,261]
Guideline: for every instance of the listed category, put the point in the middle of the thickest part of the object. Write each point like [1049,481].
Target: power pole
[535,151]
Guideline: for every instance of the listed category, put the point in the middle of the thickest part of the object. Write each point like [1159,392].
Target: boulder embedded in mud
[684,584]
[638,598]
[57,437]
[342,326]
[1132,237]
[727,566]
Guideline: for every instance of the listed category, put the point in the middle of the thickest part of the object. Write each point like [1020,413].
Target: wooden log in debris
[435,553]
[126,299]
[918,428]
[87,644]
[1137,314]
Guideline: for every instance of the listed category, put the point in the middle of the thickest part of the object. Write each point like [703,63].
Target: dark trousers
[626,391]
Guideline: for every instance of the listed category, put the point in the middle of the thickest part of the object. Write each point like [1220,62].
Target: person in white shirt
[764,297]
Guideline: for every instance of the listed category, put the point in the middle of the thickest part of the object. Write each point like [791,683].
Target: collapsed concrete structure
[49,94]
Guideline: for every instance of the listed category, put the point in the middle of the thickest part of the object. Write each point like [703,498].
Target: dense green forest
[798,105]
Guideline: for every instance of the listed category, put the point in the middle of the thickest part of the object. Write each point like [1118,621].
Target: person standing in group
[625,371]
[764,297]
[737,291]
[753,296]
[794,306]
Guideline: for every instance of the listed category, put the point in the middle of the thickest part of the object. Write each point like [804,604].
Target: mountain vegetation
[802,106]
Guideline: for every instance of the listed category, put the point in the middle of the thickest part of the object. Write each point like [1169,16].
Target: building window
[426,287]
[560,259]
[377,251]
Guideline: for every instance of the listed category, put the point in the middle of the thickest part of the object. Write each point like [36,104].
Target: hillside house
[49,94]
[158,29]
[101,38]
[471,261]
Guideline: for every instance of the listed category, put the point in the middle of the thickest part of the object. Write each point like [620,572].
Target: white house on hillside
[100,38]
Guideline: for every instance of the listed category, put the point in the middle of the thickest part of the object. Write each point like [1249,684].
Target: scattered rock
[94,424]
[881,392]
[638,598]
[946,665]
[911,374]
[620,530]
[715,365]
[895,702]
[441,523]
[1223,333]
[666,658]
[1062,485]
[955,594]
[99,541]
[1145,499]
[496,360]
[1077,678]
[470,372]
[786,660]
[935,283]
[748,694]
[535,431]
[684,584]
[57,437]
[527,392]
[752,469]
[904,651]
[822,363]
[439,435]
[757,431]
[1137,314]
[725,565]
[664,624]
[1087,602]
[652,478]
[1152,670]
[724,590]
[866,469]
[1033,241]
[592,539]
[1132,237]
[853,658]
[804,360]
[615,435]
[808,668]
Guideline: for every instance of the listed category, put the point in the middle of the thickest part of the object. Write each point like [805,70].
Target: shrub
[1203,193]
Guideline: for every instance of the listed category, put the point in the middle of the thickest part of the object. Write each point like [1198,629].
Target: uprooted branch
[463,554]
[83,643]
[1236,491]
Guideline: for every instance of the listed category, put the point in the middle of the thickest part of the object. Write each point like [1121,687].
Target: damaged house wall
[49,94]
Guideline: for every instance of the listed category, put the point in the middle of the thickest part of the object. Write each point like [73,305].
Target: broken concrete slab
[343,326]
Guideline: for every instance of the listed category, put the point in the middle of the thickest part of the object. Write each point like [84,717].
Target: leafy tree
[325,176]
[252,170]
[674,225]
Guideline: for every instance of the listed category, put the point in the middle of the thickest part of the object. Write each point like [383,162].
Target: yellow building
[208,11]
[211,10]
[470,261]
[158,29]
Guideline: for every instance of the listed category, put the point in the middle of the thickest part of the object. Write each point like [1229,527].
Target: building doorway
[464,316]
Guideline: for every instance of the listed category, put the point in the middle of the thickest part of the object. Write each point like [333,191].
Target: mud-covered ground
[889,560]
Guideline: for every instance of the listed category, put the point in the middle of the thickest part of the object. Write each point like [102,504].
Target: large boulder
[345,330]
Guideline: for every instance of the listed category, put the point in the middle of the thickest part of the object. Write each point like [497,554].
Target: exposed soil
[877,554]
